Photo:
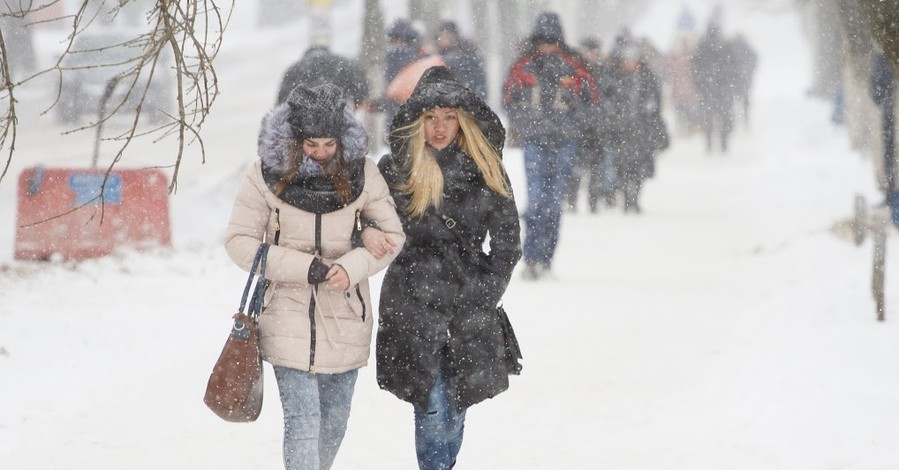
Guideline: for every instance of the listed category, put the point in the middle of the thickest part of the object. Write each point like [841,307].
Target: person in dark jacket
[405,48]
[549,96]
[462,58]
[439,335]
[319,66]
[745,60]
[713,75]
[632,99]
[588,165]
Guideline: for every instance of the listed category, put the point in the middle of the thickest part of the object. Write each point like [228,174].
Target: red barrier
[61,212]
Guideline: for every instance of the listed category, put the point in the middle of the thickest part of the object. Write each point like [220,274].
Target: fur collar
[275,133]
[310,190]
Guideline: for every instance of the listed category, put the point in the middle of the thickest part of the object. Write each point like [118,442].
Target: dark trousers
[588,166]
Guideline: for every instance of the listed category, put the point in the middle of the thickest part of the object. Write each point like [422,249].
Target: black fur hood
[438,87]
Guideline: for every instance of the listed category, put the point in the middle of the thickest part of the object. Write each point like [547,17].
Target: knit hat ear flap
[317,112]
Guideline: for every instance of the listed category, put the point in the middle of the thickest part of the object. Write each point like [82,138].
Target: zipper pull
[358,220]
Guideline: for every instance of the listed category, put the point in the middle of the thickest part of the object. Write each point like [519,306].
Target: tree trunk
[373,50]
[881,16]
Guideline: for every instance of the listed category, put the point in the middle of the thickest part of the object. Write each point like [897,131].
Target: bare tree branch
[8,123]
[189,32]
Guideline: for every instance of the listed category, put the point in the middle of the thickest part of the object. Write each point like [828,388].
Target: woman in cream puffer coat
[316,324]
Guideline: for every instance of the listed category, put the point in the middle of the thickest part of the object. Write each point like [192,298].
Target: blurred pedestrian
[549,96]
[745,60]
[684,98]
[319,65]
[634,130]
[713,74]
[439,340]
[302,197]
[405,48]
[462,58]
[588,165]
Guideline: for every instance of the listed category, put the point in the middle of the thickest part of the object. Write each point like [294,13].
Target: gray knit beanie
[317,112]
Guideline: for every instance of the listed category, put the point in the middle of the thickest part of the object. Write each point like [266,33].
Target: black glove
[318,272]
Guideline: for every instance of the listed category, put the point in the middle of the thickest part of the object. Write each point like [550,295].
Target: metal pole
[878,276]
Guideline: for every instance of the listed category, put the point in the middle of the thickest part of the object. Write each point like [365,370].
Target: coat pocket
[357,302]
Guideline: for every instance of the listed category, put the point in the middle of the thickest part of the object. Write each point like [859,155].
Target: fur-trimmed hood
[438,87]
[275,133]
[310,189]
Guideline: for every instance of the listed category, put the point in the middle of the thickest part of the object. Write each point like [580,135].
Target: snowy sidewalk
[725,328]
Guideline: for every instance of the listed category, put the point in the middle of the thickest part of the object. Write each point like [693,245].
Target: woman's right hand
[377,242]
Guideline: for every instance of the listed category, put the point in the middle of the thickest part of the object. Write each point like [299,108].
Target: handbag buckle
[450,223]
[240,330]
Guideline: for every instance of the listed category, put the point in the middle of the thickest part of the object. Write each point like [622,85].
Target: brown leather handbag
[234,390]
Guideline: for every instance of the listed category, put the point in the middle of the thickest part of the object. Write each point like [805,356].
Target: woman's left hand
[377,242]
[338,278]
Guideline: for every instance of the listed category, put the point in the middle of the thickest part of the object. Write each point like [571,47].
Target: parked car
[94,59]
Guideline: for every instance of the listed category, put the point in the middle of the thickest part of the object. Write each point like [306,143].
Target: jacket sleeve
[359,263]
[518,92]
[247,228]
[505,251]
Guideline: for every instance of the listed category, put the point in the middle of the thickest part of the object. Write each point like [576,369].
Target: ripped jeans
[316,409]
[438,427]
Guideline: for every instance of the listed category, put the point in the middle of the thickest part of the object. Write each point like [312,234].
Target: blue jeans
[438,428]
[547,167]
[316,409]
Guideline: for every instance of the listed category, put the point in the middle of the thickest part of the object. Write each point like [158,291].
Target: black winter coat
[318,66]
[438,297]
[467,65]
[713,72]
[631,109]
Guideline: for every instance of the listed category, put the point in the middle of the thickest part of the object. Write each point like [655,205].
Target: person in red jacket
[550,97]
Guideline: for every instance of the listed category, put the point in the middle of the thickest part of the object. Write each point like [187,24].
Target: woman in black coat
[439,342]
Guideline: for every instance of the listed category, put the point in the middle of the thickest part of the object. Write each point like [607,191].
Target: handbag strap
[258,262]
[451,224]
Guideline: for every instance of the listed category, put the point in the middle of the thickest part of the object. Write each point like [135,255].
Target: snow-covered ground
[725,328]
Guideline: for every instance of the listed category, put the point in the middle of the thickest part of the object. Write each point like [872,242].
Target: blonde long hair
[424,180]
